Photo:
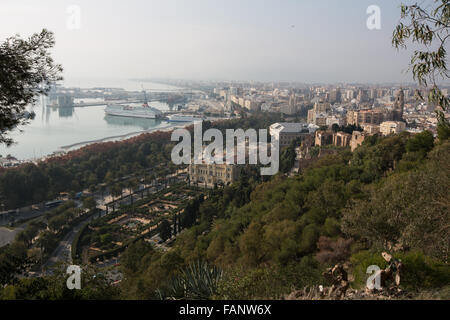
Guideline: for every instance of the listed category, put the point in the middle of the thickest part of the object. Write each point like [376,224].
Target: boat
[143,111]
[183,118]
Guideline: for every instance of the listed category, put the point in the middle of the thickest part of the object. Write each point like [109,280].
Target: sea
[56,129]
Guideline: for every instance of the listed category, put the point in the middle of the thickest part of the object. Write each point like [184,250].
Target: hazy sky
[299,40]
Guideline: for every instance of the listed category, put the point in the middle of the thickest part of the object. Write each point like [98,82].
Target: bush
[360,262]
[422,142]
[268,282]
[333,251]
[420,271]
[423,272]
[198,281]
[77,243]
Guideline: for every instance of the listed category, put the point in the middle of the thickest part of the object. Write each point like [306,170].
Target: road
[63,252]
[8,235]
[24,215]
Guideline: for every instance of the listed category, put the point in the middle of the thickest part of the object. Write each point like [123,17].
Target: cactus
[198,281]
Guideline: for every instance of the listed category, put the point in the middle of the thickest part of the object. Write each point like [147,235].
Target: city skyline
[220,151]
[309,42]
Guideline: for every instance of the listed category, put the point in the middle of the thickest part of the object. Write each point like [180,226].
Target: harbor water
[54,128]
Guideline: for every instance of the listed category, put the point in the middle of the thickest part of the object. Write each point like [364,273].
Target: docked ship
[144,111]
[183,118]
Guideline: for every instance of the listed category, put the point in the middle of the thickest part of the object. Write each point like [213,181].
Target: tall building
[335,96]
[399,106]
[250,104]
[288,109]
[318,115]
[292,100]
[224,94]
[364,117]
[350,94]
[321,107]
[318,119]
[311,116]
[362,96]
[65,101]
[233,91]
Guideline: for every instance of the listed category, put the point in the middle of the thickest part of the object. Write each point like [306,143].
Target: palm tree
[144,181]
[116,191]
[132,186]
[102,189]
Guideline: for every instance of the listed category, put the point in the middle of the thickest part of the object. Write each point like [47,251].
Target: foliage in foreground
[289,229]
[198,281]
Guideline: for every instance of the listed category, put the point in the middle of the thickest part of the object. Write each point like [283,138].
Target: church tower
[399,105]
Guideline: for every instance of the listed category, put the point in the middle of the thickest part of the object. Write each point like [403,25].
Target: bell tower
[399,105]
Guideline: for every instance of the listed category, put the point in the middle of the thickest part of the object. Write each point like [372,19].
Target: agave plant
[198,281]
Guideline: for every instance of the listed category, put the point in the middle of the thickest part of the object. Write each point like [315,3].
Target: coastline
[125,136]
[167,128]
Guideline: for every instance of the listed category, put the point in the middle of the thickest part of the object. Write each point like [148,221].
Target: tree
[144,181]
[408,209]
[92,188]
[333,251]
[26,71]
[56,223]
[133,185]
[165,231]
[335,127]
[131,258]
[47,241]
[116,191]
[288,155]
[175,226]
[422,142]
[102,189]
[94,286]
[89,203]
[13,262]
[428,26]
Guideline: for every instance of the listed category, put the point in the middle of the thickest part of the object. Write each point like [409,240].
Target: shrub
[198,281]
[268,282]
[420,271]
[333,251]
[361,261]
[423,272]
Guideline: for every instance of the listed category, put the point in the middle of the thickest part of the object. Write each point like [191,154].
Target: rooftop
[291,127]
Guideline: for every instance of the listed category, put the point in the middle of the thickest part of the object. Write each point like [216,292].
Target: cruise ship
[182,118]
[144,111]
